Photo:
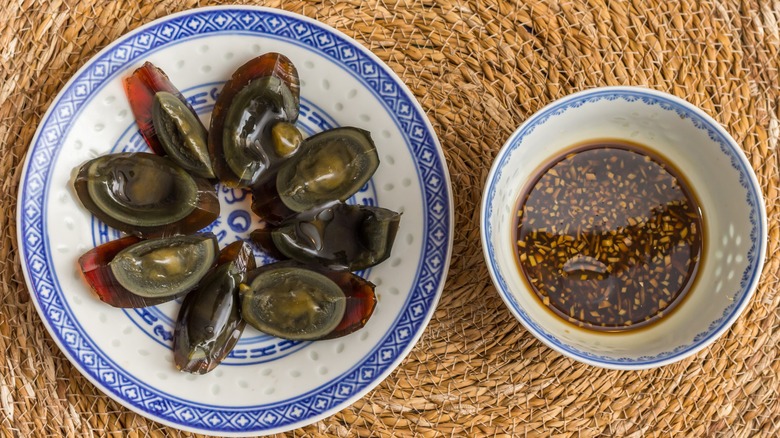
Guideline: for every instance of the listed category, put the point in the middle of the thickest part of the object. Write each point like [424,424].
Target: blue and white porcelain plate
[266,385]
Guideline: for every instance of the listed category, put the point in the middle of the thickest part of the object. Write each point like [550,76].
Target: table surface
[479,68]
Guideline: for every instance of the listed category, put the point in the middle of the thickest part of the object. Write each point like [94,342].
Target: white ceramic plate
[266,385]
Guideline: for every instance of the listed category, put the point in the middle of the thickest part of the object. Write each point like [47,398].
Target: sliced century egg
[250,144]
[140,88]
[130,272]
[252,126]
[298,302]
[181,133]
[330,166]
[209,322]
[145,194]
[339,237]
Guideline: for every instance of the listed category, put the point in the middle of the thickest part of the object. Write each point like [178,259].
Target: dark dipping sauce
[609,236]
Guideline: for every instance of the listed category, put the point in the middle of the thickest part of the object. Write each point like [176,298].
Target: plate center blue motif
[236,222]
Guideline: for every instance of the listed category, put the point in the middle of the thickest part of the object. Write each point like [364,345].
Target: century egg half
[303,303]
[145,194]
[339,236]
[252,126]
[329,167]
[209,322]
[166,121]
[130,272]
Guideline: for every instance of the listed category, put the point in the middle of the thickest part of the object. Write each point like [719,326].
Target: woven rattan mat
[479,68]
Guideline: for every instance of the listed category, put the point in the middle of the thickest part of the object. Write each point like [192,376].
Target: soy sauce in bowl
[609,236]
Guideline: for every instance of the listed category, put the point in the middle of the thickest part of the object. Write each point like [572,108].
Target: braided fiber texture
[479,69]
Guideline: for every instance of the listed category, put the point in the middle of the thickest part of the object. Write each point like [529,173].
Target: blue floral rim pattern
[336,393]
[753,200]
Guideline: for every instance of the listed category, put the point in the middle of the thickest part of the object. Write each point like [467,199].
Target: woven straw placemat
[479,68]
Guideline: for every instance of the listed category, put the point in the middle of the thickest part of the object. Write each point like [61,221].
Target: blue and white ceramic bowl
[721,177]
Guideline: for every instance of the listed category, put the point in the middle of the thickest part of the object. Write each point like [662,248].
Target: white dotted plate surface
[266,385]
